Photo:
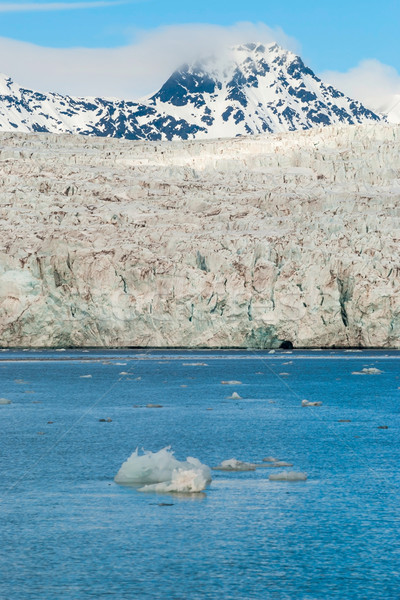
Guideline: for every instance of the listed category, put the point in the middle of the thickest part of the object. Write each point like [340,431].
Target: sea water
[69,531]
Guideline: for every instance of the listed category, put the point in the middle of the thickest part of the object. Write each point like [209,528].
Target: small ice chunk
[232,464]
[5,401]
[271,352]
[124,373]
[154,406]
[270,459]
[307,403]
[368,371]
[161,472]
[284,374]
[195,364]
[85,376]
[288,476]
[235,396]
[233,382]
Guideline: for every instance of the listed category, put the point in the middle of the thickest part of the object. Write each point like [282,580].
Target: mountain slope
[254,89]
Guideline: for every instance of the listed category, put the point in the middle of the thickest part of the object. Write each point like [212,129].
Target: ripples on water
[68,531]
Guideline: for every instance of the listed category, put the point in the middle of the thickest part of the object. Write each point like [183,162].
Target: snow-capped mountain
[253,89]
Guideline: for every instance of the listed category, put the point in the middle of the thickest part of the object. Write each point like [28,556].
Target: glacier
[244,242]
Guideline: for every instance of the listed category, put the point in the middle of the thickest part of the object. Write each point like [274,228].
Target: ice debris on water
[270,459]
[5,401]
[288,476]
[162,472]
[235,396]
[368,371]
[85,376]
[195,364]
[232,464]
[232,382]
[308,403]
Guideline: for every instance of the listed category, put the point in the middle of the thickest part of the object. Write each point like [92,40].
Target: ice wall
[236,242]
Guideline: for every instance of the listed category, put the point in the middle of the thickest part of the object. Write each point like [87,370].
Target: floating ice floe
[278,464]
[161,472]
[154,405]
[368,371]
[233,382]
[85,376]
[232,464]
[5,401]
[270,459]
[194,364]
[288,476]
[308,403]
[235,396]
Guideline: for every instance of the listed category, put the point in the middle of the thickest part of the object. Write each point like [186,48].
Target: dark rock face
[255,89]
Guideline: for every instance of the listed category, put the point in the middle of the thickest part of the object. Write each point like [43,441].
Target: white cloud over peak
[130,71]
[375,84]
[7,7]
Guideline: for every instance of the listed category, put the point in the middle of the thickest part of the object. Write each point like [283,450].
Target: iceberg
[162,472]
[232,464]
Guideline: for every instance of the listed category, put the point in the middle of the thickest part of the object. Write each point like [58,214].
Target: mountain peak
[252,88]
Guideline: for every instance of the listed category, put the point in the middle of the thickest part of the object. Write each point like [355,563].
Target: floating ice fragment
[307,403]
[270,459]
[288,476]
[366,371]
[235,396]
[161,472]
[85,376]
[233,382]
[154,406]
[195,364]
[124,373]
[233,464]
[5,401]
[271,352]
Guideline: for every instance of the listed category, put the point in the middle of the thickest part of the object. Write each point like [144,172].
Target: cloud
[130,71]
[375,84]
[8,7]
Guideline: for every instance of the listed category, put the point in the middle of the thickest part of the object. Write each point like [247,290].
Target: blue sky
[129,42]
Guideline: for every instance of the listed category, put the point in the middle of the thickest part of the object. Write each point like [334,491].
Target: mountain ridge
[254,89]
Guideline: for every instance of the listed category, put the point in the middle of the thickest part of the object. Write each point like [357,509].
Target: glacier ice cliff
[244,242]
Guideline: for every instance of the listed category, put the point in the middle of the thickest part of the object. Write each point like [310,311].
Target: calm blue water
[69,532]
